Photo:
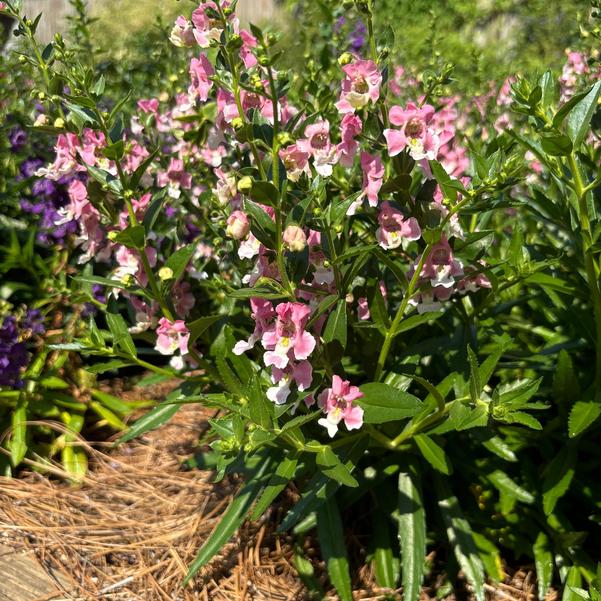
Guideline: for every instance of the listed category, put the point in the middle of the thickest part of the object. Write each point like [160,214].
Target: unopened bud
[237,123]
[345,58]
[245,184]
[128,279]
[284,138]
[295,238]
[59,123]
[165,273]
[112,236]
[238,225]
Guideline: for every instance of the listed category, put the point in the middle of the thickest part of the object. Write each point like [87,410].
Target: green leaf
[565,108]
[583,415]
[411,518]
[284,472]
[132,237]
[580,116]
[485,371]
[460,537]
[386,564]
[100,368]
[565,382]
[475,383]
[506,485]
[121,336]
[543,559]
[336,326]
[557,145]
[199,326]
[262,226]
[323,306]
[260,407]
[573,581]
[109,416]
[18,442]
[331,465]
[232,519]
[152,420]
[382,403]
[179,260]
[490,556]
[558,477]
[433,453]
[415,320]
[339,209]
[139,172]
[112,402]
[264,193]
[333,549]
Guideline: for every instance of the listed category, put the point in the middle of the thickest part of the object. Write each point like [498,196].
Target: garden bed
[132,528]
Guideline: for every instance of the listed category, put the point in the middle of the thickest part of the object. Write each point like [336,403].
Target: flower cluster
[14,356]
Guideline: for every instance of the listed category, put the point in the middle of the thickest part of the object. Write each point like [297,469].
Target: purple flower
[357,36]
[30,166]
[17,138]
[13,353]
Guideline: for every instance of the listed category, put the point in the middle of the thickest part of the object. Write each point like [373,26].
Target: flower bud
[112,236]
[59,123]
[295,238]
[238,225]
[245,184]
[264,60]
[41,120]
[128,279]
[237,123]
[165,273]
[284,138]
[345,58]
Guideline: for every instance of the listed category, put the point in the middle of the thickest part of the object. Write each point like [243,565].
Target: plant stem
[589,261]
[399,314]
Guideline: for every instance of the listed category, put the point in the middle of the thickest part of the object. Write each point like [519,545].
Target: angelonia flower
[182,34]
[172,337]
[360,86]
[416,132]
[17,138]
[318,145]
[338,404]
[394,227]
[282,333]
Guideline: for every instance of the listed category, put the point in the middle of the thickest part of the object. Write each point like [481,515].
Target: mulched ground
[129,531]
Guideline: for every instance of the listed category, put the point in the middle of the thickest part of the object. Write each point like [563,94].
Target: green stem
[399,314]
[589,261]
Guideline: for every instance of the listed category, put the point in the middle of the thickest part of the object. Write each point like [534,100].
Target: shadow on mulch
[130,530]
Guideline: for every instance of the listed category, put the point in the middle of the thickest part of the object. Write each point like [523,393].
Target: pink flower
[415,133]
[361,84]
[150,106]
[288,339]
[373,172]
[2,5]
[394,227]
[172,336]
[350,128]
[296,162]
[200,85]
[337,404]
[317,143]
[248,41]
[206,26]
[263,313]
[176,178]
[139,205]
[300,373]
[65,162]
[238,225]
[182,34]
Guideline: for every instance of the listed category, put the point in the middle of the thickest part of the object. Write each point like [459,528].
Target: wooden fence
[54,12]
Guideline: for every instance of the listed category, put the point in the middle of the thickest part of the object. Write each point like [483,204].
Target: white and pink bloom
[263,313]
[394,228]
[360,86]
[172,336]
[318,145]
[416,132]
[338,403]
[287,340]
[295,161]
[182,34]
[373,173]
[300,373]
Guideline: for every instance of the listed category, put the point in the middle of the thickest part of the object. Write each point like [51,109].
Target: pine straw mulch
[131,529]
